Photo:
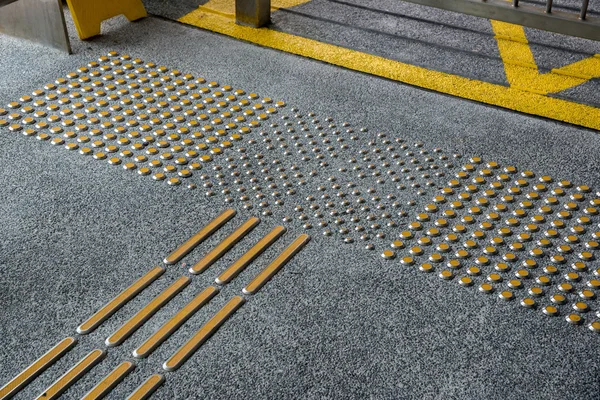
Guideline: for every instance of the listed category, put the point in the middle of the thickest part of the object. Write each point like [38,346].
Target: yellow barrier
[89,14]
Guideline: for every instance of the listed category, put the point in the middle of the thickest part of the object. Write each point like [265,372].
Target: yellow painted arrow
[522,71]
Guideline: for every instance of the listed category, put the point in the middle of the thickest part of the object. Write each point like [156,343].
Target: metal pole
[254,13]
[548,6]
[584,7]
[515,3]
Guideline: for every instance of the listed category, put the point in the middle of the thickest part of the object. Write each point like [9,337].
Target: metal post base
[41,21]
[255,13]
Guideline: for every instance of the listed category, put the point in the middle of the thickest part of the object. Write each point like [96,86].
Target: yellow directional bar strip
[146,389]
[72,375]
[251,255]
[270,270]
[203,334]
[35,369]
[129,327]
[175,323]
[527,101]
[110,381]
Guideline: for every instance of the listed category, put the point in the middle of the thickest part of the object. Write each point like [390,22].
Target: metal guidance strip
[199,237]
[115,304]
[224,246]
[175,323]
[266,274]
[129,327]
[72,375]
[251,255]
[110,381]
[146,389]
[34,370]
[190,347]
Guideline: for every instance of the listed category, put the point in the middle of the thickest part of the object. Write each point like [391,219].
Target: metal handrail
[256,13]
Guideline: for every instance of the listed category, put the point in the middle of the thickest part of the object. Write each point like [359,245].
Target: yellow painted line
[224,246]
[175,323]
[146,389]
[110,381]
[73,375]
[190,347]
[34,370]
[522,71]
[129,327]
[199,237]
[286,255]
[250,255]
[484,92]
[115,304]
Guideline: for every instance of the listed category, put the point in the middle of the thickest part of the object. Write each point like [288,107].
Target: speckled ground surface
[338,321]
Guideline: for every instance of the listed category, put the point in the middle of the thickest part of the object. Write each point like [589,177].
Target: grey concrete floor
[338,321]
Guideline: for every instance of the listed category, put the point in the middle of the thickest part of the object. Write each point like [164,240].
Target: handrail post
[255,13]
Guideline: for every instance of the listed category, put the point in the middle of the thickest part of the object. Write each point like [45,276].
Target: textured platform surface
[349,159]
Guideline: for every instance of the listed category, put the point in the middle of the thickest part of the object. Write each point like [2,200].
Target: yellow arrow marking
[522,71]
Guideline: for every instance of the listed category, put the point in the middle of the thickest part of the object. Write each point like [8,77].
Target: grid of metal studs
[323,191]
[167,125]
[170,126]
[517,235]
[143,117]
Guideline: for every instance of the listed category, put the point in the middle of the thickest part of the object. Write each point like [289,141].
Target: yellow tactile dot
[506,295]
[594,326]
[528,302]
[580,306]
[465,281]
[407,260]
[426,267]
[482,260]
[144,171]
[473,271]
[515,283]
[159,176]
[550,311]
[388,254]
[446,274]
[558,299]
[536,291]
[574,319]
[99,156]
[114,161]
[486,288]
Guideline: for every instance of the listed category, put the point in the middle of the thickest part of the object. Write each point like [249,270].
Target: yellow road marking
[522,70]
[250,255]
[484,92]
[224,246]
[73,375]
[110,381]
[199,237]
[175,323]
[129,327]
[115,304]
[286,255]
[146,389]
[203,334]
[34,370]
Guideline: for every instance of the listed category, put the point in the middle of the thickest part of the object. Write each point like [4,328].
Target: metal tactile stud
[550,311]
[528,302]
[388,254]
[506,295]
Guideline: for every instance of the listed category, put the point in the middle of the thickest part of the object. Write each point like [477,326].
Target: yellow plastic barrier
[89,14]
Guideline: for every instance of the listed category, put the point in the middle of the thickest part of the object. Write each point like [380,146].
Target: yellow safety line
[507,97]
[522,71]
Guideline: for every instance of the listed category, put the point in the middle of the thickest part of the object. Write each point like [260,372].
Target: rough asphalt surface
[338,321]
